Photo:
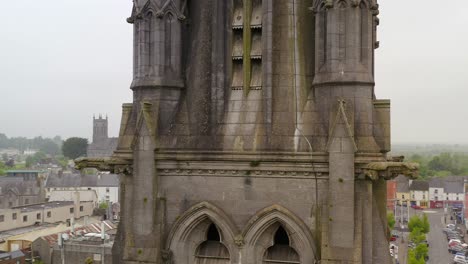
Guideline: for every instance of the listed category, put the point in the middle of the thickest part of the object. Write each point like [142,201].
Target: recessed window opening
[281,237]
[213,234]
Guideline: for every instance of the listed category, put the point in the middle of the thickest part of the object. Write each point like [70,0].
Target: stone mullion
[247,41]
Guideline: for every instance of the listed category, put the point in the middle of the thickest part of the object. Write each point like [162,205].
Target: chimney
[59,239]
[103,232]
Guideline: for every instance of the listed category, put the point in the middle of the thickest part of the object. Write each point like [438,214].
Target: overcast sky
[61,61]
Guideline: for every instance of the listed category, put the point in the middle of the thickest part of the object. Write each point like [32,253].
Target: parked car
[393,248]
[459,259]
[416,207]
[457,249]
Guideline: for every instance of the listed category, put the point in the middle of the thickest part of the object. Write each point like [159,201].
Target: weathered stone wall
[267,122]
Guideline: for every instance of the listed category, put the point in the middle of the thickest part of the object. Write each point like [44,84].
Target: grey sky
[63,60]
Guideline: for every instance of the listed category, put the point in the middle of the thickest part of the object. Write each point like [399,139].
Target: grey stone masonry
[254,135]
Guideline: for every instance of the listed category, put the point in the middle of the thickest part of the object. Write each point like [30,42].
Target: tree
[75,147]
[415,222]
[426,227]
[3,168]
[49,147]
[5,157]
[412,258]
[391,220]
[417,236]
[10,163]
[103,205]
[421,251]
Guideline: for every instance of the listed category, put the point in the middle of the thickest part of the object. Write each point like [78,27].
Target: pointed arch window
[281,251]
[212,250]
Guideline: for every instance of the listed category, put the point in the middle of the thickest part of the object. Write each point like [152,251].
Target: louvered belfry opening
[212,250]
[281,252]
[247,45]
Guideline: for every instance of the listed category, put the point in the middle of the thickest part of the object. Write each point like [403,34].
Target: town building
[37,214]
[419,193]
[437,192]
[21,188]
[80,195]
[402,189]
[21,238]
[106,186]
[391,194]
[27,175]
[81,243]
[454,193]
[102,145]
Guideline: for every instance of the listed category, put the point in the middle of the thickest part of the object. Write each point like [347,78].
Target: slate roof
[18,186]
[66,180]
[419,186]
[402,184]
[103,148]
[436,183]
[43,206]
[453,187]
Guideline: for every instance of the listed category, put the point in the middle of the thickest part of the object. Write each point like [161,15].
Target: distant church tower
[102,145]
[254,135]
[100,128]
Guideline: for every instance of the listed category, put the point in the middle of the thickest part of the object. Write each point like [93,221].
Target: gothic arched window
[212,251]
[281,251]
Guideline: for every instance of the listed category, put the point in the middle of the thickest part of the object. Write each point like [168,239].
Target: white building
[106,186]
[436,189]
[67,195]
[454,191]
[51,212]
[419,192]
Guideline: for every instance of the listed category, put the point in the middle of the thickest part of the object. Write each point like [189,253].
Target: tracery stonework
[254,135]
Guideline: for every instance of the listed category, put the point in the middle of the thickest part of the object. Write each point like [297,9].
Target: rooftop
[42,206]
[436,183]
[454,187]
[419,186]
[24,171]
[109,227]
[402,184]
[77,180]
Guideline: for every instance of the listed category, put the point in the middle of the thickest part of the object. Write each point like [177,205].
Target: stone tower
[100,128]
[254,135]
[102,145]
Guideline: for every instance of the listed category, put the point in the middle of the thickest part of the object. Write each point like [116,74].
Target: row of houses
[20,188]
[432,193]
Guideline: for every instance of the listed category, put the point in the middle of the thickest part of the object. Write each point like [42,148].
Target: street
[438,252]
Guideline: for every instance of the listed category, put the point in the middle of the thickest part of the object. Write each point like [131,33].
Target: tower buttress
[157,59]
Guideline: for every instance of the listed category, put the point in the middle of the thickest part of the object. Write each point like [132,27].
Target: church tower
[254,135]
[100,128]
